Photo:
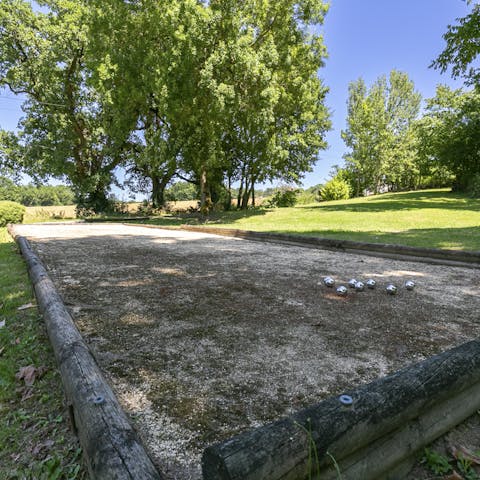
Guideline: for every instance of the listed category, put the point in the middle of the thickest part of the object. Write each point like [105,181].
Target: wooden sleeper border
[460,258]
[375,437]
[111,447]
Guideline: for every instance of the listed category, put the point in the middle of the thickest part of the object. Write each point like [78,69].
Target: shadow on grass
[212,218]
[467,238]
[404,201]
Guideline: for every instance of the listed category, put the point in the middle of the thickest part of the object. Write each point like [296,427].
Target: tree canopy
[67,130]
[462,48]
[209,92]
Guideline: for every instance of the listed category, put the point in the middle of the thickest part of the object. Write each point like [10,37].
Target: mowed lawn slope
[425,218]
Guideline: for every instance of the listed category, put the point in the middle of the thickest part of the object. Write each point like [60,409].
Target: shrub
[305,197]
[284,197]
[335,189]
[11,212]
[181,191]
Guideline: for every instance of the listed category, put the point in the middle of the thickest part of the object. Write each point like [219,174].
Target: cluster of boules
[359,286]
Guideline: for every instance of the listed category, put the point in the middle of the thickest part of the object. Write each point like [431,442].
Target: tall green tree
[274,100]
[379,132]
[67,129]
[449,134]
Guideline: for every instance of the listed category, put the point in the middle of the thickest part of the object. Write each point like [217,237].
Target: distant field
[67,212]
[43,214]
[426,218]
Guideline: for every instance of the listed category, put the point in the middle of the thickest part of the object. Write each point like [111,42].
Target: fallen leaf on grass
[15,456]
[46,445]
[461,452]
[27,305]
[29,373]
[2,323]
[2,350]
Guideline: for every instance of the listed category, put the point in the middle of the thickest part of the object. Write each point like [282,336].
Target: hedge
[11,212]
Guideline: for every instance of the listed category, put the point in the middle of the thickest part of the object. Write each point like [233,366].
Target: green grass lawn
[426,218]
[35,441]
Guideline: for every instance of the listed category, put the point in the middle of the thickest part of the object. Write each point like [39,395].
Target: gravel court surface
[203,336]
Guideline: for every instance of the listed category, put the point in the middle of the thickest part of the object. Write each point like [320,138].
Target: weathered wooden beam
[429,255]
[388,421]
[111,447]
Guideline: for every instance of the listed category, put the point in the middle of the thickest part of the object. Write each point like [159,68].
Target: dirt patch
[203,336]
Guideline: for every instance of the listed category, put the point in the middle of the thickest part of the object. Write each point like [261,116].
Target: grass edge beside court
[34,432]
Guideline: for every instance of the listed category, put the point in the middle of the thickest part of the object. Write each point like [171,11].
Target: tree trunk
[228,205]
[158,192]
[205,199]
[240,190]
[246,195]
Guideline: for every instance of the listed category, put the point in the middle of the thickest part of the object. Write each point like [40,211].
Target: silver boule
[342,291]
[371,283]
[352,282]
[409,285]
[359,286]
[391,289]
[329,281]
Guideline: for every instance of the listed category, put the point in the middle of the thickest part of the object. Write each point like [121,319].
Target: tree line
[217,94]
[33,195]
[392,146]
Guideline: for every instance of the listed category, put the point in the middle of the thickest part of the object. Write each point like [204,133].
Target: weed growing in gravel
[313,462]
[436,462]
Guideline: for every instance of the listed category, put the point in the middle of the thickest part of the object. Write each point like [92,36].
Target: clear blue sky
[364,38]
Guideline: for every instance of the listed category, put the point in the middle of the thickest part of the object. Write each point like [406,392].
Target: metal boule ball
[409,285]
[359,286]
[371,283]
[329,281]
[391,289]
[342,291]
[352,282]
